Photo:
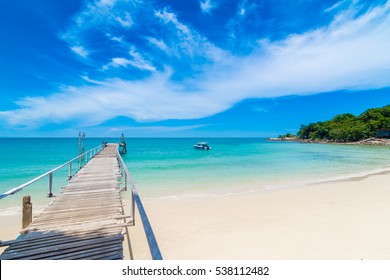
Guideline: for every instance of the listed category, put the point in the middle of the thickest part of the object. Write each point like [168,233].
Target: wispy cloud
[139,62]
[104,15]
[105,3]
[206,6]
[340,4]
[188,41]
[120,61]
[80,50]
[126,21]
[159,43]
[242,8]
[352,52]
[153,129]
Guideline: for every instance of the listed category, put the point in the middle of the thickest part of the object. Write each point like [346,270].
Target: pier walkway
[85,221]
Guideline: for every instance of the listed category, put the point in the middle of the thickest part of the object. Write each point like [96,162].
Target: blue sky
[193,68]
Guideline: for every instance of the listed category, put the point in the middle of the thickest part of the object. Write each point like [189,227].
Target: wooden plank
[92,253]
[71,220]
[64,221]
[56,252]
[67,247]
[81,208]
[42,236]
[56,241]
[88,226]
[80,213]
[90,192]
[43,242]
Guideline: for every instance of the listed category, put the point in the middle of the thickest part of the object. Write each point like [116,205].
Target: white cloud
[341,3]
[117,62]
[105,15]
[153,129]
[169,17]
[126,22]
[137,61]
[336,6]
[159,44]
[116,39]
[242,8]
[352,53]
[80,50]
[120,61]
[207,6]
[150,100]
[188,41]
[87,79]
[105,3]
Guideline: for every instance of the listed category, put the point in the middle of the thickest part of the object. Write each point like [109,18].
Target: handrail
[153,246]
[91,153]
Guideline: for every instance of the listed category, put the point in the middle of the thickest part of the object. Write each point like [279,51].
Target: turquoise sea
[173,168]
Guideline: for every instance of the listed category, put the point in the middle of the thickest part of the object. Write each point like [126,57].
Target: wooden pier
[85,221]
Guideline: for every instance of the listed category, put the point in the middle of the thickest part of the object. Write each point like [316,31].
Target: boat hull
[201,148]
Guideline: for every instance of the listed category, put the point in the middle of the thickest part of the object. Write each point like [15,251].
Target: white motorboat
[202,146]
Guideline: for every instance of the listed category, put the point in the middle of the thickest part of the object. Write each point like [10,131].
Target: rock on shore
[369,141]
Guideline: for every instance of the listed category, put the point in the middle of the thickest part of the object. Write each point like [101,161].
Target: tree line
[347,127]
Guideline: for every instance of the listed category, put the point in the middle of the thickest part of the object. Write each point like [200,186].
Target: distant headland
[372,127]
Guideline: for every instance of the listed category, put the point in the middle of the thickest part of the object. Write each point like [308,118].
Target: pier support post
[133,207]
[27,212]
[50,193]
[70,171]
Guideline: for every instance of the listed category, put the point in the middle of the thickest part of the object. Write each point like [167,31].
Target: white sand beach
[347,219]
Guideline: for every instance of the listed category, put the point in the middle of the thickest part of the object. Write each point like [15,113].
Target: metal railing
[153,246]
[88,155]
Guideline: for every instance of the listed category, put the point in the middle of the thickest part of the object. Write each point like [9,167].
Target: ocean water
[173,168]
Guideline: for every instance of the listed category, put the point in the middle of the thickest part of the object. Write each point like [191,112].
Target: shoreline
[373,141]
[41,202]
[246,188]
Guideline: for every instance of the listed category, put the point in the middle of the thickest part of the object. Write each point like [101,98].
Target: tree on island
[288,136]
[347,127]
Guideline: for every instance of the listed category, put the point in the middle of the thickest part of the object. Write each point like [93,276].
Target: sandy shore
[347,219]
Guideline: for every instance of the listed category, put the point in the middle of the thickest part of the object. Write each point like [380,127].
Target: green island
[373,125]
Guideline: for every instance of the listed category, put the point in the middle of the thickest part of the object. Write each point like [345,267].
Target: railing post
[27,212]
[50,193]
[119,165]
[70,171]
[81,158]
[133,207]
[125,188]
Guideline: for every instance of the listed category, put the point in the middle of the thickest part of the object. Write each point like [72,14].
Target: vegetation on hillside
[347,127]
[287,136]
